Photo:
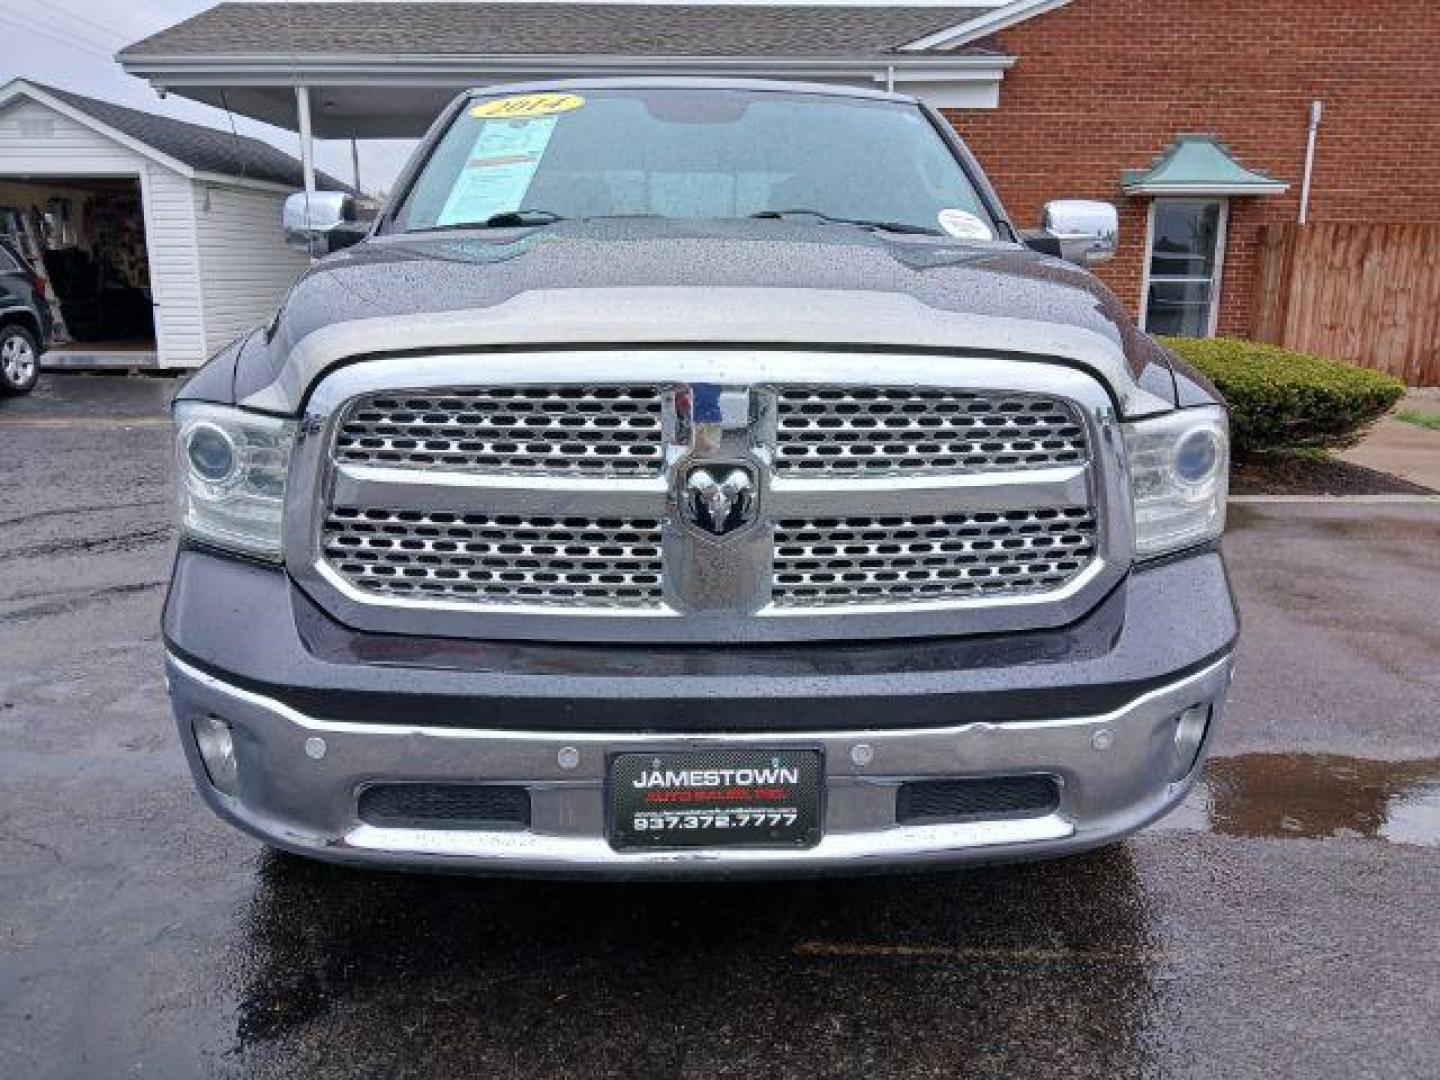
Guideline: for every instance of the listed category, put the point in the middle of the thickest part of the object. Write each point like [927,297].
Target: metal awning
[385,70]
[379,98]
[364,70]
[1198,165]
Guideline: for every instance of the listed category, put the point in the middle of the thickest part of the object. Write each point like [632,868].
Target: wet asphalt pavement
[1284,922]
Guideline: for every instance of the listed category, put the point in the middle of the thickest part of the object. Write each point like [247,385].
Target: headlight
[1179,478]
[232,467]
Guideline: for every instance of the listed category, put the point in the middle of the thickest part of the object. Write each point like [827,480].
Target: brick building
[1101,86]
[1193,117]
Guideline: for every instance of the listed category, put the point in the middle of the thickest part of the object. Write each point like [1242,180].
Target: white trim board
[1201,191]
[176,72]
[991,22]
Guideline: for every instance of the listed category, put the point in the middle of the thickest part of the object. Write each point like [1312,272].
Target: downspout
[1317,110]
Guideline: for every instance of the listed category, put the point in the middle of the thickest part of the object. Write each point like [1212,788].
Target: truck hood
[653,281]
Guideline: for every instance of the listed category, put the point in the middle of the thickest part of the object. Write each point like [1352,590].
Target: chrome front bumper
[300,776]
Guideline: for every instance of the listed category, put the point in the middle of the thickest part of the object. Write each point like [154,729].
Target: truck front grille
[475,558]
[617,431]
[862,431]
[769,505]
[549,430]
[871,560]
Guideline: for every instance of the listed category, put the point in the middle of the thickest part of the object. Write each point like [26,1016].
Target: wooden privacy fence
[1369,294]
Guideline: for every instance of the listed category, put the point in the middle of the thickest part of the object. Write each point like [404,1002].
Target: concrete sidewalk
[1405,450]
[1421,399]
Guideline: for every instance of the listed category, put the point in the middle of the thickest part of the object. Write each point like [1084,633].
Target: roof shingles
[527,29]
[202,148]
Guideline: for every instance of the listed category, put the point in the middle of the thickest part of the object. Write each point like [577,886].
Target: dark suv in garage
[24,321]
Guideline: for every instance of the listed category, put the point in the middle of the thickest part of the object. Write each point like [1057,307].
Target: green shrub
[1284,400]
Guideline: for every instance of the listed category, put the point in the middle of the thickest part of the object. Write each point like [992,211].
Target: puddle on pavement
[1314,796]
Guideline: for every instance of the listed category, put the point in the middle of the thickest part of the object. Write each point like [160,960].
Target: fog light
[1189,736]
[217,751]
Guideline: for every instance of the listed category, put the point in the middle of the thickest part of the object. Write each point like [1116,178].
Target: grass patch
[1419,419]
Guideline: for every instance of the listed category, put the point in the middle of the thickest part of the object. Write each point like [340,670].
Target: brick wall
[1104,85]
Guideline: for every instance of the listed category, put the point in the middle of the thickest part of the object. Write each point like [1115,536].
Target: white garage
[160,240]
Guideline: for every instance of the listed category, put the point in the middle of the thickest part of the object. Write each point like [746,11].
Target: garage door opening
[86,237]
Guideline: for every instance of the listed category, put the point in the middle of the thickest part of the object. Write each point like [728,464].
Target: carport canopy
[364,70]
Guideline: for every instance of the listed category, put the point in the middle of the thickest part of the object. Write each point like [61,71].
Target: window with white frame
[1182,272]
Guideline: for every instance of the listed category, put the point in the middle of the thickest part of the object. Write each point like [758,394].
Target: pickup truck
[697,477]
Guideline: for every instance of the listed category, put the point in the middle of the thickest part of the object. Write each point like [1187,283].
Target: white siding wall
[35,139]
[245,266]
[174,269]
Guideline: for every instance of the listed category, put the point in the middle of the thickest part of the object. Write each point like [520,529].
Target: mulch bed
[1290,474]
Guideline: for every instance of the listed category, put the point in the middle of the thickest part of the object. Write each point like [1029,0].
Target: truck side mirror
[1079,231]
[320,222]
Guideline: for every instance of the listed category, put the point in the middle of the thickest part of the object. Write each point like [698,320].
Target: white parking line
[1359,500]
[86,421]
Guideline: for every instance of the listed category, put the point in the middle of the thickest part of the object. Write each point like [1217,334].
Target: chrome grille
[860,560]
[565,498]
[549,430]
[862,431]
[576,562]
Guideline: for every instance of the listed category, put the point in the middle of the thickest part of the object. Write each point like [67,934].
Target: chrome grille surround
[551,430]
[882,431]
[497,559]
[867,560]
[718,408]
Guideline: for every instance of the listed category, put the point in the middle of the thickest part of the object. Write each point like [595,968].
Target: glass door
[1187,250]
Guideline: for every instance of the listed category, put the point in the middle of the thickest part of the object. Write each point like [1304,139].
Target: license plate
[716,799]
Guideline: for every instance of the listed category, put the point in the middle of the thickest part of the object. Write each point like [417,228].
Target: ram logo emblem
[720,498]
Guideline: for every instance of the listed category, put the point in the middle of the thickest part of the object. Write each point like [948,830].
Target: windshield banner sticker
[502,165]
[526,106]
[965,225]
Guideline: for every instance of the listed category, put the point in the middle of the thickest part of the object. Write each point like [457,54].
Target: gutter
[225,180]
[292,69]
[614,60]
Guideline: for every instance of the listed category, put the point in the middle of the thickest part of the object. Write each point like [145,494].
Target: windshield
[692,153]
